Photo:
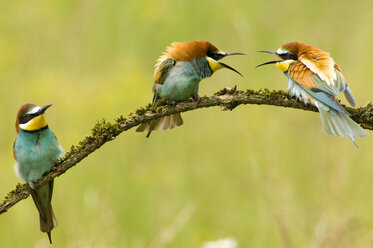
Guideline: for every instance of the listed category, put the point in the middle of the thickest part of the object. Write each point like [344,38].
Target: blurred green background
[263,175]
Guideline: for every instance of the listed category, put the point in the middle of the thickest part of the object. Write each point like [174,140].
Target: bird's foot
[197,98]
[32,185]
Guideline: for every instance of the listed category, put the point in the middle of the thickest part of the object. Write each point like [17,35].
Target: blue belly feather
[36,153]
[183,80]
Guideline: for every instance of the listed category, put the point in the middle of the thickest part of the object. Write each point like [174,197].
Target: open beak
[265,51]
[228,67]
[229,54]
[43,109]
[216,65]
[270,62]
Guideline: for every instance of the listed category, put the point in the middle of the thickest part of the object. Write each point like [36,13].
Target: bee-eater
[315,78]
[177,75]
[36,151]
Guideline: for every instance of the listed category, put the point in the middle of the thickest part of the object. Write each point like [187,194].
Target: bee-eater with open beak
[36,151]
[177,75]
[315,78]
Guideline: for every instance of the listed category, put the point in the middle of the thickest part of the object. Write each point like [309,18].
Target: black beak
[229,54]
[230,68]
[43,109]
[267,63]
[264,51]
[270,62]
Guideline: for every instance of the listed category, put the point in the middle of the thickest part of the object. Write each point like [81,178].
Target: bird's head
[187,51]
[287,53]
[30,117]
[313,58]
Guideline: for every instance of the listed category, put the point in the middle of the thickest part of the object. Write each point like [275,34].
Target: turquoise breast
[36,153]
[183,79]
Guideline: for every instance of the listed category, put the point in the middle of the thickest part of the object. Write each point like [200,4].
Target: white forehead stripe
[34,110]
[282,51]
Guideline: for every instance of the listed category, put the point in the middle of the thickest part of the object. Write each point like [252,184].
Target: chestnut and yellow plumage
[177,75]
[313,60]
[315,78]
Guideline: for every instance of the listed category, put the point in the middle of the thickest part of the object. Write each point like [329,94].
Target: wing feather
[162,68]
[316,86]
[300,73]
[320,63]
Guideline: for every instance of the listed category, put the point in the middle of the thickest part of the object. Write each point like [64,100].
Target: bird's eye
[28,116]
[215,56]
[288,56]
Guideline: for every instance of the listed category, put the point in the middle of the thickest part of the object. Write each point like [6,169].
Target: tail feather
[349,96]
[42,199]
[143,128]
[163,123]
[49,237]
[154,124]
[340,124]
[177,119]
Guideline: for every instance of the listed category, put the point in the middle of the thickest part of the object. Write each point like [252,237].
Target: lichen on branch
[227,98]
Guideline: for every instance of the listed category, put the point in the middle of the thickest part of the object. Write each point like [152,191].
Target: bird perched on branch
[36,151]
[177,75]
[315,78]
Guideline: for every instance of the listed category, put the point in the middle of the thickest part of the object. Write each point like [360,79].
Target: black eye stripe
[26,118]
[288,56]
[215,56]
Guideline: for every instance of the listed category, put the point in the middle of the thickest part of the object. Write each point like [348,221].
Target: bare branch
[228,99]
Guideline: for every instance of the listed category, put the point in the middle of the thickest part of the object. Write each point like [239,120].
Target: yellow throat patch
[284,65]
[214,65]
[34,124]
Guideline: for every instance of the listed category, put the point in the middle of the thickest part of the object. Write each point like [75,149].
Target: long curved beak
[266,51]
[229,54]
[43,109]
[270,62]
[228,67]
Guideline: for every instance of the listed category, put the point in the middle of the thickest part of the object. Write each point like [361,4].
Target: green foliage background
[266,176]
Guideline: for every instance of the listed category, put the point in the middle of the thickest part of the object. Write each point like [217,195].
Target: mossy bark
[227,98]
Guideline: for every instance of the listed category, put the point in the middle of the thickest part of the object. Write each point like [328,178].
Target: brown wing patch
[301,74]
[318,61]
